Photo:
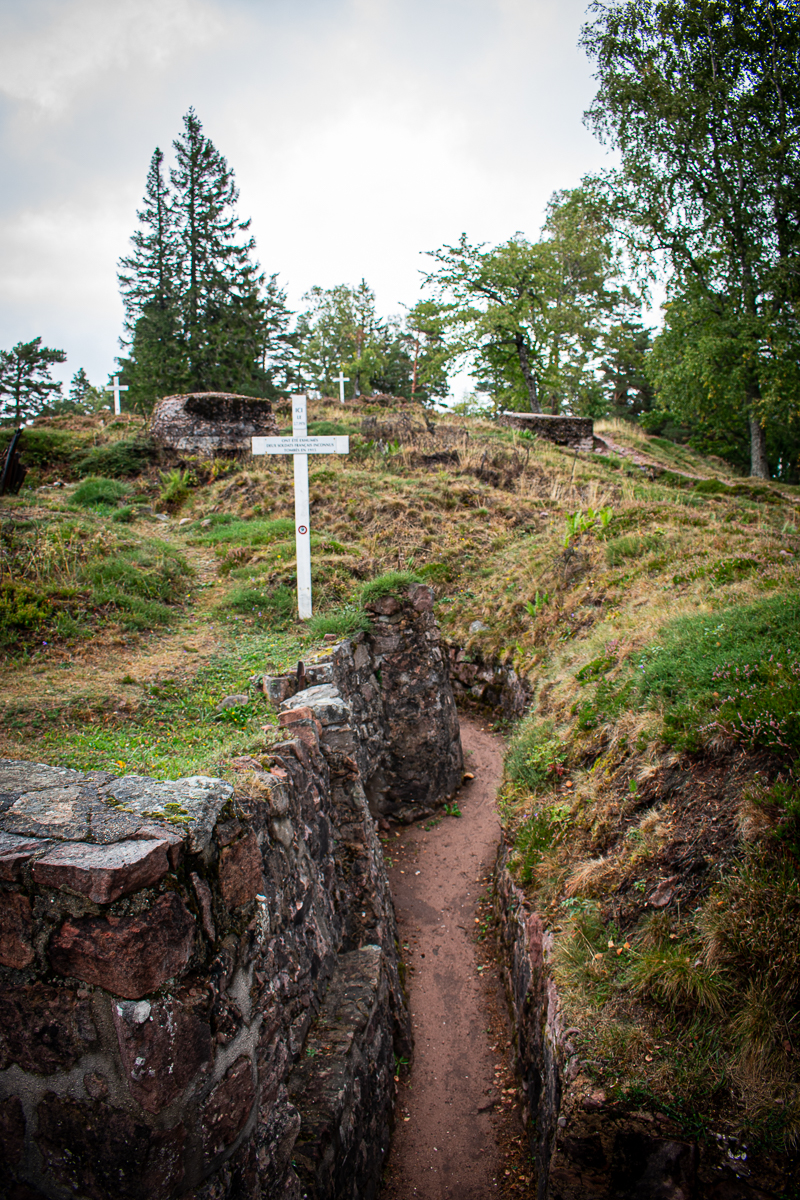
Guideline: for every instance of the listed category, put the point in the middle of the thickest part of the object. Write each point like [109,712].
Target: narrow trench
[453,1109]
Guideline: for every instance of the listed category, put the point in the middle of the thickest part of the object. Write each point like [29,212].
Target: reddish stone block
[160,833]
[129,956]
[104,873]
[241,871]
[386,606]
[97,1151]
[421,597]
[203,893]
[15,851]
[44,1029]
[16,927]
[163,1046]
[12,1132]
[227,1109]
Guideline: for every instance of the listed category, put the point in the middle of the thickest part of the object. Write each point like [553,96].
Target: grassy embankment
[653,606]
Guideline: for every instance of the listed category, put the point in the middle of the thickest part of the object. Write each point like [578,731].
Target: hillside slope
[648,597]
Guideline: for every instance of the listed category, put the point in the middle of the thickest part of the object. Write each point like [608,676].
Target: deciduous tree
[701,98]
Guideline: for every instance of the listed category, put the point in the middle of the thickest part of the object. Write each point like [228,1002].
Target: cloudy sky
[361,132]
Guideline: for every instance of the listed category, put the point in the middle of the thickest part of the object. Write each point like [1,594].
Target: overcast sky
[361,133]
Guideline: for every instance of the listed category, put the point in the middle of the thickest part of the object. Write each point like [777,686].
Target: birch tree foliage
[530,317]
[701,99]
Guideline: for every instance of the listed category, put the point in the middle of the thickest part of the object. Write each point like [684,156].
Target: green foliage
[530,317]
[738,671]
[129,456]
[537,833]
[707,177]
[595,668]
[200,313]
[388,585]
[675,975]
[25,382]
[46,447]
[580,522]
[611,698]
[174,487]
[343,623]
[97,491]
[538,604]
[21,607]
[534,756]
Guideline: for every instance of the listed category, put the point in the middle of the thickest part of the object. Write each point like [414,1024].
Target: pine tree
[25,382]
[200,313]
[148,284]
[222,312]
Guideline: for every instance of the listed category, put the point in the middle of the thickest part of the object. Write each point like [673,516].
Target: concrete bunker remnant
[211,422]
[575,432]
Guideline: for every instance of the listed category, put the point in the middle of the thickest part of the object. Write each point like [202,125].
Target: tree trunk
[758,450]
[527,373]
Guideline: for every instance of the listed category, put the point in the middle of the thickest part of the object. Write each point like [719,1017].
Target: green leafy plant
[343,623]
[174,488]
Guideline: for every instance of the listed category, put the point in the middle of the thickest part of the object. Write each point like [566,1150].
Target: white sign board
[300,445]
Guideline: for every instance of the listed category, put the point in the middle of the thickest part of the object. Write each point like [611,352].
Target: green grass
[274,609]
[388,585]
[174,729]
[343,623]
[738,668]
[238,532]
[97,491]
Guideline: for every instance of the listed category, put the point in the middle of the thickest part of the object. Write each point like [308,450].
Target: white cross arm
[301,445]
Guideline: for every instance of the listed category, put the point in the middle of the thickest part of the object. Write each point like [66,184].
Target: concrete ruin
[199,987]
[211,423]
[577,433]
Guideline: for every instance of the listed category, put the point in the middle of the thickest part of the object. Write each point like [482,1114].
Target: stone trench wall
[584,1145]
[199,992]
[575,432]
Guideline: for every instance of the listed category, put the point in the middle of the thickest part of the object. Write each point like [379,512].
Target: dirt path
[445,1144]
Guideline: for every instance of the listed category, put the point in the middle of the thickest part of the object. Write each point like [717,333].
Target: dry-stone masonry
[199,993]
[385,701]
[211,423]
[575,432]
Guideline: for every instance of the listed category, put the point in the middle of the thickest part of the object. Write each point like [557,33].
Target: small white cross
[116,389]
[300,445]
[342,379]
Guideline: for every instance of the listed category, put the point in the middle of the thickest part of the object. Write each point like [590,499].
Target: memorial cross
[116,389]
[300,445]
[342,379]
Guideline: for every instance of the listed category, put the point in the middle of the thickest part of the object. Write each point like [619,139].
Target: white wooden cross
[341,380]
[116,389]
[301,445]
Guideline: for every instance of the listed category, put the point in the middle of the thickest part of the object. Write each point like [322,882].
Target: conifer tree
[25,381]
[200,313]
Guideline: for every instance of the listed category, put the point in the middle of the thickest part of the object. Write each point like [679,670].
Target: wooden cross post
[116,389]
[342,380]
[300,445]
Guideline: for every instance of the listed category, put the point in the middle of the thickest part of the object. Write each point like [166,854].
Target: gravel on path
[445,1144]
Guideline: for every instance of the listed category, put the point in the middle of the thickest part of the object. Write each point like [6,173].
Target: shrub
[96,491]
[126,457]
[21,607]
[46,447]
[174,488]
